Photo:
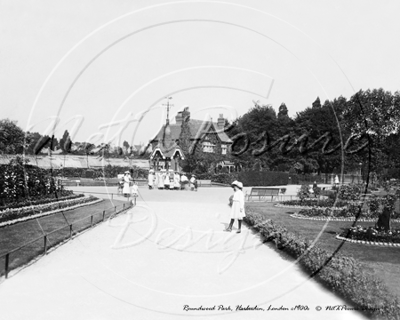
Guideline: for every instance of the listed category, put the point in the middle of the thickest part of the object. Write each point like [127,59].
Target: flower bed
[10,216]
[342,274]
[371,235]
[351,212]
[324,203]
[66,194]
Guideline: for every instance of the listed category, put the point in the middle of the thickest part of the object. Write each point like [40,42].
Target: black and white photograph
[199,159]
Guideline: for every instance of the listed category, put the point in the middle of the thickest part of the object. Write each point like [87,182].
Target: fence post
[7,263]
[123,206]
[91,221]
[112,196]
[70,231]
[45,244]
[115,209]
[104,213]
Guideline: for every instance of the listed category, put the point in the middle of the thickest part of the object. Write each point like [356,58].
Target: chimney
[178,118]
[221,121]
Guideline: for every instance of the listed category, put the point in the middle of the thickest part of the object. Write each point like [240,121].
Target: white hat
[126,171]
[238,184]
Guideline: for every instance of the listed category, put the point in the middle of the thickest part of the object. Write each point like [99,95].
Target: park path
[167,253]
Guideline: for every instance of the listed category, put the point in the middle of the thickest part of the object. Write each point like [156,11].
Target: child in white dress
[237,208]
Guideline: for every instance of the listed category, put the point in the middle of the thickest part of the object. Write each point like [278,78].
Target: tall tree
[65,142]
[12,137]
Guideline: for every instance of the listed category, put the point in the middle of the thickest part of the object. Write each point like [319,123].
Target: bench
[262,193]
[204,183]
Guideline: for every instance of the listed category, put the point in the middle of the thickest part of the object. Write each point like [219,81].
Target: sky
[102,69]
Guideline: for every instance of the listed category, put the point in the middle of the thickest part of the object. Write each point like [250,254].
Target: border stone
[372,243]
[7,223]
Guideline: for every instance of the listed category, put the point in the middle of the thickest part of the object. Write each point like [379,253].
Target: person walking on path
[237,208]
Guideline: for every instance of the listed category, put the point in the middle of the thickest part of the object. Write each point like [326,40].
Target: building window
[223,148]
[208,147]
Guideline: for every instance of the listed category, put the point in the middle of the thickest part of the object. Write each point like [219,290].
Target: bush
[20,181]
[226,178]
[349,192]
[304,192]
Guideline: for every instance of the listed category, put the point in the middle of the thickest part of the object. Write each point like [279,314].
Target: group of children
[170,180]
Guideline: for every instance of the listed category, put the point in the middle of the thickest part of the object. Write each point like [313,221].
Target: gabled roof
[197,129]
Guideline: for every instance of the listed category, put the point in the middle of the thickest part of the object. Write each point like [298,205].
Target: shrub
[19,181]
[304,192]
[349,192]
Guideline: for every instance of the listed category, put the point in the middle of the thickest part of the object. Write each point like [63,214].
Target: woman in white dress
[171,179]
[127,179]
[161,178]
[166,180]
[237,208]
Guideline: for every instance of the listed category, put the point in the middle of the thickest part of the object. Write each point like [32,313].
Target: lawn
[382,262]
[19,234]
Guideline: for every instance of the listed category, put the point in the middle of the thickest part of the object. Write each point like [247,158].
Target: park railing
[24,254]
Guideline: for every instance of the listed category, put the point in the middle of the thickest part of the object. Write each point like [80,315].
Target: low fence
[38,246]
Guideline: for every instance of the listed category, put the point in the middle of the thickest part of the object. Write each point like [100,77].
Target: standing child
[135,190]
[237,208]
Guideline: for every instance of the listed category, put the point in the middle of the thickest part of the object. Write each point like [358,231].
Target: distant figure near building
[184,181]
[151,179]
[193,183]
[177,181]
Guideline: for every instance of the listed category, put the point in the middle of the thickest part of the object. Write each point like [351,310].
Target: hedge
[263,178]
[248,178]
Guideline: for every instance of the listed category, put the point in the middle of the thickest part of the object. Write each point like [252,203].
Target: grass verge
[375,262]
[19,234]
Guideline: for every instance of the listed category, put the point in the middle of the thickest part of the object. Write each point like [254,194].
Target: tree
[12,137]
[316,103]
[126,146]
[375,114]
[283,111]
[65,142]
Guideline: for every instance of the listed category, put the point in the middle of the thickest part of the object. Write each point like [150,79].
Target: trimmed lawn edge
[7,223]
[300,216]
[372,243]
[339,273]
